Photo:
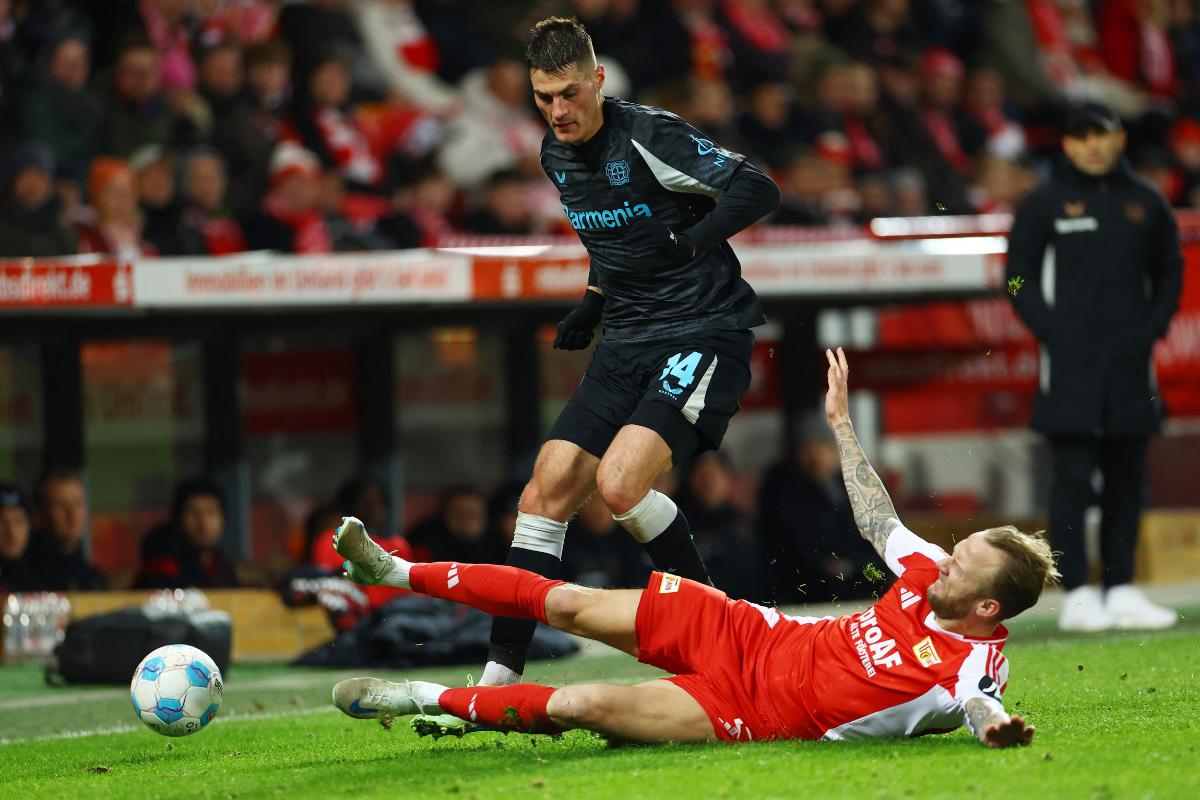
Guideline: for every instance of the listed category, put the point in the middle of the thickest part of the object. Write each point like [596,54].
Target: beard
[949,607]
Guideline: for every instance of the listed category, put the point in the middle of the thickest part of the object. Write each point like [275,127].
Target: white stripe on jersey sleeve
[672,179]
[902,542]
[935,710]
[983,675]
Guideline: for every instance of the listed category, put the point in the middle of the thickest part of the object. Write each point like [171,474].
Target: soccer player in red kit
[926,658]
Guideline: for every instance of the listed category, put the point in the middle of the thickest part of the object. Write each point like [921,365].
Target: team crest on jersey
[617,172]
[670,584]
[926,653]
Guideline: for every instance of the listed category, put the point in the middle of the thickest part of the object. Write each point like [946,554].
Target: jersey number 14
[682,369]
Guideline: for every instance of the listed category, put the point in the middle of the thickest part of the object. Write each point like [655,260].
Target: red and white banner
[257,279]
[55,284]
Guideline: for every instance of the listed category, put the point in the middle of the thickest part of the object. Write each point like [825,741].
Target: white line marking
[301,712]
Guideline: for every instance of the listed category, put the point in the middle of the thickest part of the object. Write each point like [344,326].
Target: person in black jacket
[14,539]
[654,202]
[57,558]
[185,551]
[1110,293]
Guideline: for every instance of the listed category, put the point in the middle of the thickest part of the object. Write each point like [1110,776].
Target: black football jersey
[647,166]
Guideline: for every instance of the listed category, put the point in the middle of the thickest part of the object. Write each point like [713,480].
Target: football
[176,690]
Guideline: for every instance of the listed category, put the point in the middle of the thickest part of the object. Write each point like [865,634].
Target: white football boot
[366,562]
[369,698]
[1083,610]
[1131,609]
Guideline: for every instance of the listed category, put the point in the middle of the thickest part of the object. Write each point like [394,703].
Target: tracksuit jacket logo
[606,218]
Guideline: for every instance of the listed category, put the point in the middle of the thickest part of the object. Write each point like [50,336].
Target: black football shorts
[686,389]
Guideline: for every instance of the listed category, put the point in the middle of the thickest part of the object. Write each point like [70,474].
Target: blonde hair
[1019,583]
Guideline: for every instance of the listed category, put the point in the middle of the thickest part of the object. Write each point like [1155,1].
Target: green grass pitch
[1116,717]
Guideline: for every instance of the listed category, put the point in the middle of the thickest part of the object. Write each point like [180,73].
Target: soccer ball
[176,690]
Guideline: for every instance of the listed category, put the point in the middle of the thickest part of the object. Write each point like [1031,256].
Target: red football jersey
[890,670]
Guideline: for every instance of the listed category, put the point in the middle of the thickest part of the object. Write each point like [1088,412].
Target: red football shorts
[714,647]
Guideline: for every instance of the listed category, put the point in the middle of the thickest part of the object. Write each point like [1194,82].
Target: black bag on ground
[106,648]
[414,631]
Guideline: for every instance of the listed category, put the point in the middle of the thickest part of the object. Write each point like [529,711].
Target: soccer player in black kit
[654,202]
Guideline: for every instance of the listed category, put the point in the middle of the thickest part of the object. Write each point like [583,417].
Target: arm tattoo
[873,510]
[980,714]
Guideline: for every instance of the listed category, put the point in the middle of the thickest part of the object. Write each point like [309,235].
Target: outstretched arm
[993,727]
[873,510]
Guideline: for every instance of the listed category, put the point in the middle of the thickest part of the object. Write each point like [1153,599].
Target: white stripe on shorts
[695,403]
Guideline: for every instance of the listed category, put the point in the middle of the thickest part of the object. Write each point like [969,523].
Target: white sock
[650,517]
[496,674]
[399,574]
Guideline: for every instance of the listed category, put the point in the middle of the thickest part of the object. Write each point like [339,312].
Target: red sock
[500,591]
[520,707]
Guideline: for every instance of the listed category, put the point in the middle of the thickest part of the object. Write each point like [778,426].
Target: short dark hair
[195,487]
[557,44]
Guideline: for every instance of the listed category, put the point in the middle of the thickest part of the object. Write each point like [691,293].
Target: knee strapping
[650,517]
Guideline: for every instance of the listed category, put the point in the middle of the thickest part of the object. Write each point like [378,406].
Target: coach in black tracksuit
[1108,294]
[653,201]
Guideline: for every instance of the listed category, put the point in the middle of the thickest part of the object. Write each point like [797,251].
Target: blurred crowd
[196,127]
[797,543]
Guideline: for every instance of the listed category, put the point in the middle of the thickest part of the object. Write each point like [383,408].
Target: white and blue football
[176,690]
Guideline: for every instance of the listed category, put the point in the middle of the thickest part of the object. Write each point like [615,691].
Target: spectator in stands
[1184,32]
[984,102]
[405,53]
[320,523]
[368,499]
[882,30]
[1000,185]
[711,108]
[1135,44]
[114,225]
[816,188]
[956,136]
[315,29]
[245,22]
[161,207]
[60,110]
[185,551]
[647,40]
[768,127]
[458,530]
[911,193]
[56,557]
[31,217]
[14,539]
[237,133]
[327,127]
[598,552]
[423,197]
[1185,149]
[135,112]
[494,130]
[505,209]
[290,220]
[345,234]
[205,211]
[724,534]
[269,85]
[759,40]
[812,543]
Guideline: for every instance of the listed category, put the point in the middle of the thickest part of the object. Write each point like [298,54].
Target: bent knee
[564,604]
[619,492]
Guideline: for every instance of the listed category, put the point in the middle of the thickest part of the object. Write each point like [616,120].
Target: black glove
[575,330]
[658,241]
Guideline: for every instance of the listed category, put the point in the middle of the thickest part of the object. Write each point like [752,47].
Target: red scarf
[309,233]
